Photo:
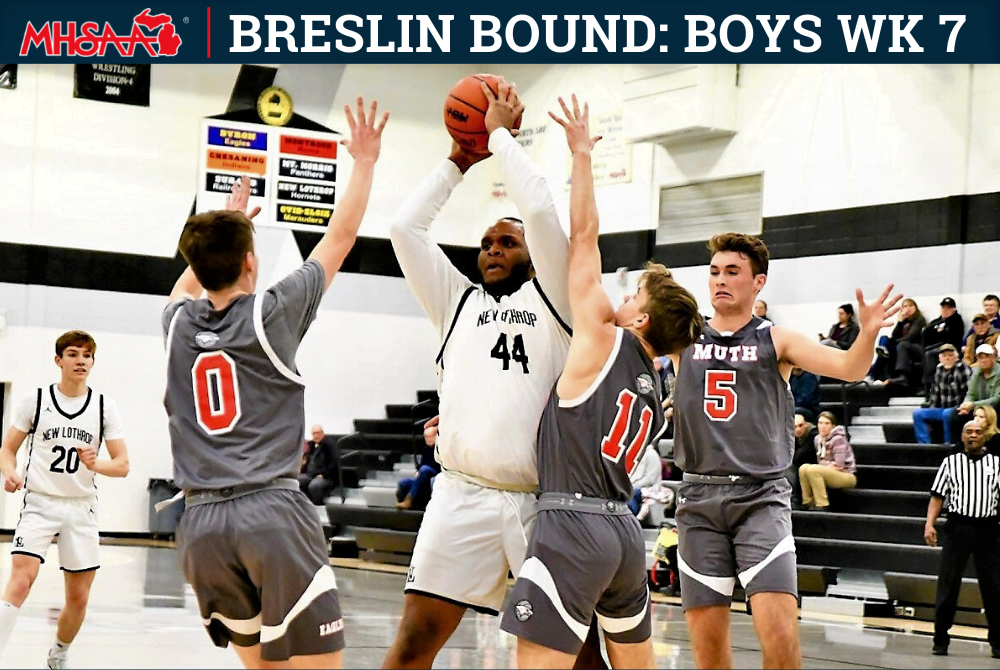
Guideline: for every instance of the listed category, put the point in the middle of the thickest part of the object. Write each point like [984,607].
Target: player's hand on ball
[464,158]
[12,482]
[366,135]
[88,456]
[577,126]
[505,107]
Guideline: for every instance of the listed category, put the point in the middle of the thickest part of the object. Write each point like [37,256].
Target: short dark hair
[214,244]
[848,308]
[990,296]
[750,246]
[674,320]
[75,338]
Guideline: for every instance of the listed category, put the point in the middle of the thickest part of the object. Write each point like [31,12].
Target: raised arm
[795,349]
[430,275]
[364,146]
[593,316]
[530,192]
[590,304]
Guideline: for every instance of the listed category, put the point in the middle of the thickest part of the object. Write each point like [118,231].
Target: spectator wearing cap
[951,383]
[991,308]
[946,329]
[984,385]
[982,332]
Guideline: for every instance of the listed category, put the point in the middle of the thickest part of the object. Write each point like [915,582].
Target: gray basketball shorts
[259,567]
[730,532]
[577,563]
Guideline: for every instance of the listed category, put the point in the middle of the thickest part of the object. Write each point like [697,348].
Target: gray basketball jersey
[234,400]
[589,445]
[733,411]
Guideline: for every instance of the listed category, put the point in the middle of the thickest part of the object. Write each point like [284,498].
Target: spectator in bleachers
[665,367]
[986,417]
[760,310]
[982,332]
[968,485]
[805,453]
[646,474]
[318,476]
[900,350]
[951,383]
[805,392]
[946,329]
[834,467]
[991,308]
[984,385]
[843,333]
[415,492]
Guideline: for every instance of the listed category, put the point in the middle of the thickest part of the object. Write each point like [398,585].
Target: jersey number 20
[216,392]
[613,444]
[720,396]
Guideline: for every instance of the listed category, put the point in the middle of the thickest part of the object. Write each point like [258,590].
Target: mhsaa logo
[154,32]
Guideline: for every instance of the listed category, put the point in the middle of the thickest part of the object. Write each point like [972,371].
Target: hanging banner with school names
[109,82]
[293,172]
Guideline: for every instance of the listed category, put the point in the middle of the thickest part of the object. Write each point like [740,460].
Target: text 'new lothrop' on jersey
[497,365]
[57,427]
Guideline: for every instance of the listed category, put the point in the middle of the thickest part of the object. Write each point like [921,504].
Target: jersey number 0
[216,392]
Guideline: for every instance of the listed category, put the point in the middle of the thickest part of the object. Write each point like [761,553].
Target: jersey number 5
[720,396]
[613,444]
[216,392]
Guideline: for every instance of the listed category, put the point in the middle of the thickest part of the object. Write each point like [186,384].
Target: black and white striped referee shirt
[970,487]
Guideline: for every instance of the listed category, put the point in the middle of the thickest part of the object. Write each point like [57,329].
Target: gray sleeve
[289,308]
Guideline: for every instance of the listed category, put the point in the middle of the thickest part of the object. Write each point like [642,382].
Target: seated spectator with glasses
[951,382]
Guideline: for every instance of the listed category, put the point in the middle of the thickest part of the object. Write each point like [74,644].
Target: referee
[969,483]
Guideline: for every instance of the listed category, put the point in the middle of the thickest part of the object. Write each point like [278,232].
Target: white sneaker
[58,662]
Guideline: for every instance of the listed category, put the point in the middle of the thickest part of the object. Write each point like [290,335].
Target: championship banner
[313,31]
[293,172]
[124,84]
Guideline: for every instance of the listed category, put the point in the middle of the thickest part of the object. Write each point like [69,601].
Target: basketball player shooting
[503,343]
[733,439]
[586,550]
[250,542]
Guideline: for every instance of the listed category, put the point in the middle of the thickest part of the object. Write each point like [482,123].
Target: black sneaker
[995,652]
[940,650]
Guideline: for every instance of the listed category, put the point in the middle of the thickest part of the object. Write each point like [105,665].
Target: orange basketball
[465,112]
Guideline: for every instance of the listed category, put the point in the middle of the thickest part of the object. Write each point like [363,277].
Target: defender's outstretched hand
[505,107]
[877,314]
[366,136]
[237,201]
[577,127]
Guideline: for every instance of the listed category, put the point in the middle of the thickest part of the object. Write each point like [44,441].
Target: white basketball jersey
[497,366]
[54,466]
